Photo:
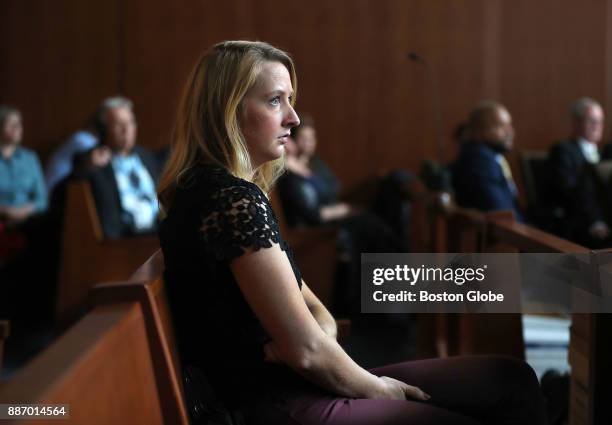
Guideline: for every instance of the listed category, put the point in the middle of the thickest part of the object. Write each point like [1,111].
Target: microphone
[413,56]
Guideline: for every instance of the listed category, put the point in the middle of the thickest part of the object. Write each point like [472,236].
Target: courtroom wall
[371,105]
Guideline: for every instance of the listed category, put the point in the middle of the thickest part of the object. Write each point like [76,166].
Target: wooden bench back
[101,368]
[535,173]
[147,288]
[461,230]
[87,258]
[526,238]
[590,348]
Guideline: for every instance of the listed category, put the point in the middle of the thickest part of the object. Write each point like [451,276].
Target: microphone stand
[436,176]
[436,104]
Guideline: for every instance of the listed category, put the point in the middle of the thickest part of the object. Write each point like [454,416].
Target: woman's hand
[398,390]
[15,215]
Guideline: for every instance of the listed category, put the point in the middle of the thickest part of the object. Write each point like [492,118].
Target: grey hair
[114,102]
[579,107]
[5,112]
[99,120]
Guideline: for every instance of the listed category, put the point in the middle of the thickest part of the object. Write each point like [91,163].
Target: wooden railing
[147,288]
[454,229]
[117,364]
[101,368]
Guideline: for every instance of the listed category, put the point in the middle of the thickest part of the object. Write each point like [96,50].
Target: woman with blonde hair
[243,316]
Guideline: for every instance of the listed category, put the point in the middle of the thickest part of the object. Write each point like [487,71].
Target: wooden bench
[119,363]
[147,288]
[590,347]
[101,368]
[87,258]
[458,230]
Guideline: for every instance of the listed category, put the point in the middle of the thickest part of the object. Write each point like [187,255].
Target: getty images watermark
[487,283]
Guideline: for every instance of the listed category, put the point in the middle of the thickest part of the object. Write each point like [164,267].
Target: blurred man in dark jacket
[123,176]
[481,175]
[573,181]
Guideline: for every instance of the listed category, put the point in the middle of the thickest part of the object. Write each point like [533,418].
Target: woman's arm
[320,313]
[267,282]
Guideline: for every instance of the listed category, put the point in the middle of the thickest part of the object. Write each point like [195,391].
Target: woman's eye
[275,101]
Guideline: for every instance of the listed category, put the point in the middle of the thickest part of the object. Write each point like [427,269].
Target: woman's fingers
[398,390]
[416,393]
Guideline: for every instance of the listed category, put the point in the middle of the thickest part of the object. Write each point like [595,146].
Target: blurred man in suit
[481,175]
[123,176]
[573,179]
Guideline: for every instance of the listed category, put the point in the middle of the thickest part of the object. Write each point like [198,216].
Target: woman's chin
[279,152]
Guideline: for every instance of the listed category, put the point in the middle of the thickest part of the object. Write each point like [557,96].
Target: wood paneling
[370,103]
[552,55]
[57,60]
[372,106]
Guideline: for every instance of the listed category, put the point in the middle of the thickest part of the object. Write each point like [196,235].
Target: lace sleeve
[236,219]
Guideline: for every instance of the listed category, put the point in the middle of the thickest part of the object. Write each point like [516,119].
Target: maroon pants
[464,390]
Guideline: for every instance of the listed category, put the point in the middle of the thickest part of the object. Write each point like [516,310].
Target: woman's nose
[292,119]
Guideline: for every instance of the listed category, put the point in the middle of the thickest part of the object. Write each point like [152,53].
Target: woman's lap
[464,390]
[492,389]
[314,409]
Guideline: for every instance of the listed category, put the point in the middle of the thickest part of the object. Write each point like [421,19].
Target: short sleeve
[238,218]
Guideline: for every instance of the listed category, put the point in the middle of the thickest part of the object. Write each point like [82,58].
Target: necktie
[503,163]
[134,179]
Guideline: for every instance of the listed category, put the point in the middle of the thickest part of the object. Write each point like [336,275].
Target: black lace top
[215,217]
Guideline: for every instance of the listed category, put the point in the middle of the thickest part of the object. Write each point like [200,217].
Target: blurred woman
[309,190]
[24,233]
[22,186]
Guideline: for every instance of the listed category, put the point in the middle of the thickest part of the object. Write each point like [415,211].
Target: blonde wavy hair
[207,128]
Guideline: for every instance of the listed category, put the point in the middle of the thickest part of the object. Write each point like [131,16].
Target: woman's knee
[518,382]
[509,371]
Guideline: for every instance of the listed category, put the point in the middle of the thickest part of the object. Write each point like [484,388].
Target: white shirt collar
[589,150]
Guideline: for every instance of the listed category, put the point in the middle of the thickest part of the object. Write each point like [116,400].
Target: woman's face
[306,140]
[12,131]
[267,116]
